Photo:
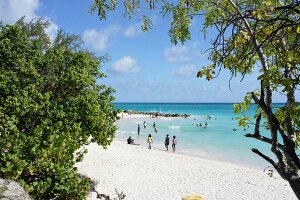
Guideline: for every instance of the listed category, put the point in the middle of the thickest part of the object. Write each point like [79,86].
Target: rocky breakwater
[156,114]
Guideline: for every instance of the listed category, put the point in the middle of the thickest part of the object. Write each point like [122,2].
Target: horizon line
[190,102]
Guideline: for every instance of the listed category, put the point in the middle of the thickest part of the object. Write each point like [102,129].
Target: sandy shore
[155,174]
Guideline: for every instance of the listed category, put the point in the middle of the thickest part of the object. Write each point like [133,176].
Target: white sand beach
[156,174]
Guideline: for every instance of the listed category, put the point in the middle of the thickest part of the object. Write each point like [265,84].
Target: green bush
[50,106]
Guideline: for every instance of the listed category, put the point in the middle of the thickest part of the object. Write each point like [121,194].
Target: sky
[143,67]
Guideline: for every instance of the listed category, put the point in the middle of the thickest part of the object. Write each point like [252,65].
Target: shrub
[50,106]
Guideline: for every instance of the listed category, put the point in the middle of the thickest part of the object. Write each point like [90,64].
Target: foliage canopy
[51,106]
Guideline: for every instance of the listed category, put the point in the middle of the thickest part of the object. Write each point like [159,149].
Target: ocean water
[217,141]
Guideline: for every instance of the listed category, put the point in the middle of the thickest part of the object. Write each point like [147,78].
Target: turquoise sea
[217,141]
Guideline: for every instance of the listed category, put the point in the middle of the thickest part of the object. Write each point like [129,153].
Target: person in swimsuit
[174,142]
[167,141]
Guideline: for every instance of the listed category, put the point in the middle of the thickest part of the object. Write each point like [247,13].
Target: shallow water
[217,141]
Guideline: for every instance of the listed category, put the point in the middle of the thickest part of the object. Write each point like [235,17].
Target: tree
[51,107]
[250,34]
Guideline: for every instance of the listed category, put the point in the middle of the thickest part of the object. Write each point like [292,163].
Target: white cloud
[12,10]
[124,65]
[185,71]
[177,54]
[183,53]
[100,40]
[52,30]
[132,30]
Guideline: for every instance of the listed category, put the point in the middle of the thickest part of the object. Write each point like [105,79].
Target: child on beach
[144,125]
[149,141]
[174,142]
[167,142]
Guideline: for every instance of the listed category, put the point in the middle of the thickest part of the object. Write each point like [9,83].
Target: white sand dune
[144,174]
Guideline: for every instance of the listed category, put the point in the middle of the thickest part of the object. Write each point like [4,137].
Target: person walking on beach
[144,125]
[174,142]
[167,141]
[149,141]
[139,129]
[154,125]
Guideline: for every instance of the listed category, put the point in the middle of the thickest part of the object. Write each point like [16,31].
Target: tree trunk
[295,185]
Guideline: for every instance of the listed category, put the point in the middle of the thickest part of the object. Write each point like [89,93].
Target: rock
[194,197]
[11,190]
[156,114]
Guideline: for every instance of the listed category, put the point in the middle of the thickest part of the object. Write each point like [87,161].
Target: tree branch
[257,122]
[256,151]
[263,139]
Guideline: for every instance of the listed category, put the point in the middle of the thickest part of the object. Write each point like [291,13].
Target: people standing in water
[144,125]
[139,129]
[174,142]
[154,126]
[149,141]
[167,141]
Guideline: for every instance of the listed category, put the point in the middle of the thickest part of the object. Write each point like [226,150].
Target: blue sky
[143,67]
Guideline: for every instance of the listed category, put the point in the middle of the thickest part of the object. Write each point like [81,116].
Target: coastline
[158,174]
[155,174]
[183,149]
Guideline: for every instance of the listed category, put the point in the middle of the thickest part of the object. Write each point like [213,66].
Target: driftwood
[106,197]
[120,196]
[93,184]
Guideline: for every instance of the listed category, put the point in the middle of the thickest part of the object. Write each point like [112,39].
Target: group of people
[205,124]
[167,142]
[145,126]
[150,138]
[150,141]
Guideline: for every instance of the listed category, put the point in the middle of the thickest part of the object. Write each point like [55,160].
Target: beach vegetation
[253,38]
[51,105]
